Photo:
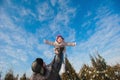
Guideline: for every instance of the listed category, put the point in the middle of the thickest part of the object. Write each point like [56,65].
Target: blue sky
[24,24]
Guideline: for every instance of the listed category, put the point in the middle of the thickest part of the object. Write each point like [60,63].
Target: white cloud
[17,44]
[48,54]
[18,13]
[28,72]
[44,32]
[25,12]
[77,59]
[16,62]
[106,40]
[3,65]
[8,24]
[43,10]
[89,13]
[64,16]
[15,53]
[107,35]
[53,2]
[43,47]
[114,60]
[59,22]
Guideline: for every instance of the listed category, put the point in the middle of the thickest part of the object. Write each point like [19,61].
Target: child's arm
[70,43]
[49,42]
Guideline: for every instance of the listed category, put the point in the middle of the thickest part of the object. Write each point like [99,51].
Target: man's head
[37,66]
[39,61]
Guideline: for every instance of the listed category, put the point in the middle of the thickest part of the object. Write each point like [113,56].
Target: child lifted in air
[59,42]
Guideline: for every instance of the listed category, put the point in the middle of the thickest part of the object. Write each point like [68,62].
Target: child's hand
[75,44]
[48,42]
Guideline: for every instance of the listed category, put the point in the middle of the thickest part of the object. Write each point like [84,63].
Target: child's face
[59,40]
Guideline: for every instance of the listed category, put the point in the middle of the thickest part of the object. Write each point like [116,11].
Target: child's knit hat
[59,36]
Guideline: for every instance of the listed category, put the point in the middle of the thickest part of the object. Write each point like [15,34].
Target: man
[47,72]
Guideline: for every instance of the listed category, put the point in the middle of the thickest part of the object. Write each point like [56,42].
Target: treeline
[98,71]
[10,76]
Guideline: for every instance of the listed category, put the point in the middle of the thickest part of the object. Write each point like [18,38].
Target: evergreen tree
[117,71]
[9,75]
[99,70]
[70,73]
[24,77]
[83,74]
[16,78]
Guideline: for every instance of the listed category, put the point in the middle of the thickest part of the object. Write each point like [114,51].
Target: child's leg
[56,51]
[57,56]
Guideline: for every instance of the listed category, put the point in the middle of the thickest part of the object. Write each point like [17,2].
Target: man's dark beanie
[37,65]
[39,61]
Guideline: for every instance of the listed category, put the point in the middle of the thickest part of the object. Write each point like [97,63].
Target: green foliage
[99,70]
[70,73]
[9,75]
[24,77]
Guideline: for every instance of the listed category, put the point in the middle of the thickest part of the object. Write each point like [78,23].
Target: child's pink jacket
[62,44]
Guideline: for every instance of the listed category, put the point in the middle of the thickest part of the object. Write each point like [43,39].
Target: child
[59,42]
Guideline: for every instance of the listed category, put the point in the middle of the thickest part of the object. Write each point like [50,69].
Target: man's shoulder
[37,76]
